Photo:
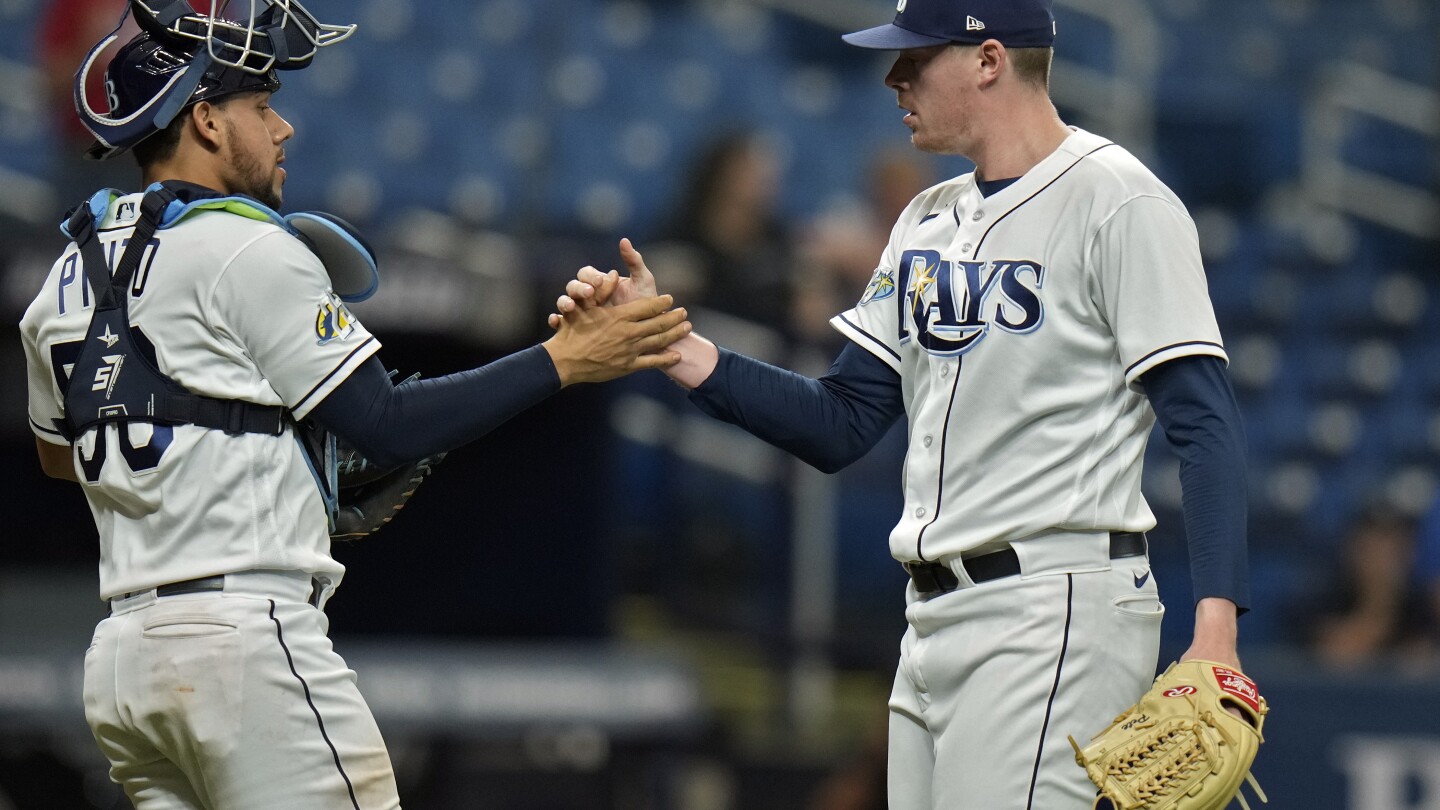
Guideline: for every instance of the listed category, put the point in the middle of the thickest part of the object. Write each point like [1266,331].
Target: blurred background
[615,602]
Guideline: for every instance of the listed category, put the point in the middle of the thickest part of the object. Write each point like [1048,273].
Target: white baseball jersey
[235,308]
[1019,324]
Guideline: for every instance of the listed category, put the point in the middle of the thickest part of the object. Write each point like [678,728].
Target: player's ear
[993,58]
[206,125]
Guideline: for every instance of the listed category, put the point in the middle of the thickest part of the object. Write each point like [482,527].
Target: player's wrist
[565,366]
[698,359]
[1216,632]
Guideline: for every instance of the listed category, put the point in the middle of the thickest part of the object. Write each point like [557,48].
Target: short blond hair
[1032,65]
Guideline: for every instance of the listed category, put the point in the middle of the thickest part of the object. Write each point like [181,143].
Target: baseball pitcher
[1032,319]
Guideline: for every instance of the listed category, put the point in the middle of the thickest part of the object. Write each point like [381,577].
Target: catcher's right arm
[1180,747]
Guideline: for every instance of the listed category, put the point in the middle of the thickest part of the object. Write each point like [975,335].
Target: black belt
[217,583]
[933,578]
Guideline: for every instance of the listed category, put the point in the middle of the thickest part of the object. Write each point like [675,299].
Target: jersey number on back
[138,459]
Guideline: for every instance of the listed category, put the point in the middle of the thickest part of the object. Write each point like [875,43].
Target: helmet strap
[180,93]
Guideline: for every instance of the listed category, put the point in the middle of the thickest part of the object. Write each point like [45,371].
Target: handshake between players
[687,358]
[594,346]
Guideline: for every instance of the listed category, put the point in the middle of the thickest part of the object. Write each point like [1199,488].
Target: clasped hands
[608,326]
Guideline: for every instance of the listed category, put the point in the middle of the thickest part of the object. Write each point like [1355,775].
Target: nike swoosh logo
[1139,580]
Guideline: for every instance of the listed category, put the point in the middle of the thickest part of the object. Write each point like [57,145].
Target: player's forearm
[827,423]
[392,425]
[1197,409]
[56,460]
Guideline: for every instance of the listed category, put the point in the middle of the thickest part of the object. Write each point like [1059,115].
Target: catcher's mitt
[370,497]
[1179,748]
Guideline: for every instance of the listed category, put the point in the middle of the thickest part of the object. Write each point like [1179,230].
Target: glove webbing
[1176,760]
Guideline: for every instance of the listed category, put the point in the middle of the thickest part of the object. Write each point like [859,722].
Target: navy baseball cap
[923,23]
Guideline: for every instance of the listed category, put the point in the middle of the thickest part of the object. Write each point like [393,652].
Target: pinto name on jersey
[949,305]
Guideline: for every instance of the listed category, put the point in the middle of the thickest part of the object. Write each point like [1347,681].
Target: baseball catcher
[184,349]
[1187,745]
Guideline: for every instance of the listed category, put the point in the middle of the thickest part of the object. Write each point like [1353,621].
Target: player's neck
[1019,140]
[188,165]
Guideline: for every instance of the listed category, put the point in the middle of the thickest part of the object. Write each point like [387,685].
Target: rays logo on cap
[901,5]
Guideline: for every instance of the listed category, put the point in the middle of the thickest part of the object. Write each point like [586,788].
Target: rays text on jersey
[950,305]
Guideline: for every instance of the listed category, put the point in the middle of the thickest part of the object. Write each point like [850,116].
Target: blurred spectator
[841,249]
[67,31]
[1377,610]
[1427,571]
[859,782]
[727,247]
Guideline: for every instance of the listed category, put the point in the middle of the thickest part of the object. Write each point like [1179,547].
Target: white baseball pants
[233,700]
[992,678]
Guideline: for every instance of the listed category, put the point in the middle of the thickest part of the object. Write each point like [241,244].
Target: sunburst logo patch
[881,286]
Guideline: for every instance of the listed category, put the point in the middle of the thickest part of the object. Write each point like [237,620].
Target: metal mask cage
[271,34]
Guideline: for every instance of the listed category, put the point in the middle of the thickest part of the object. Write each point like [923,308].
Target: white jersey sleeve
[42,382]
[275,299]
[1152,285]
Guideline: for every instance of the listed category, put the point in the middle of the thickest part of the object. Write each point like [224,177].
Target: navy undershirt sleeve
[827,423]
[393,424]
[1196,407]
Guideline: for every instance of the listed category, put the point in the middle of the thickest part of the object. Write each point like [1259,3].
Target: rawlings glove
[371,497]
[1179,748]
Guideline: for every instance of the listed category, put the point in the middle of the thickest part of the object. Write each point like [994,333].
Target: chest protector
[116,377]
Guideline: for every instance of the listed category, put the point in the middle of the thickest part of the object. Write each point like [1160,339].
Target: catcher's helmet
[182,57]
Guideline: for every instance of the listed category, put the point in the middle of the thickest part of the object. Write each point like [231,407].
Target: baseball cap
[923,23]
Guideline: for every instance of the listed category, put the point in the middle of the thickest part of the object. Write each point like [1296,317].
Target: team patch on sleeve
[881,286]
[333,321]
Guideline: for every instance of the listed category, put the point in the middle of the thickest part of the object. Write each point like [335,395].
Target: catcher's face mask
[182,57]
[255,37]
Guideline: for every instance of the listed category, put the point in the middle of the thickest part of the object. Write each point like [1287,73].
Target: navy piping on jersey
[928,217]
[955,387]
[986,235]
[44,429]
[1131,367]
[332,373]
[1054,687]
[280,635]
[944,444]
[878,342]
